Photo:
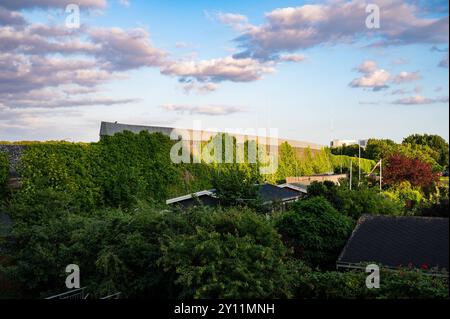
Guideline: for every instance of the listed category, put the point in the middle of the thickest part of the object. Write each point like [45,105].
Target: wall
[306,180]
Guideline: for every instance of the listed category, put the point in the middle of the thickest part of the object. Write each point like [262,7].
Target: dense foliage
[435,142]
[399,168]
[101,206]
[234,185]
[232,254]
[115,172]
[154,252]
[315,230]
[341,164]
[401,284]
[355,202]
[292,163]
[4,169]
[430,149]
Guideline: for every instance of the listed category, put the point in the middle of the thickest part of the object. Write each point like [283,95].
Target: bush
[355,202]
[236,185]
[401,284]
[437,206]
[152,253]
[343,162]
[230,254]
[408,196]
[315,230]
[4,170]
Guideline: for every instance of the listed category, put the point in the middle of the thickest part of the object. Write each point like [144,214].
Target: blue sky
[311,69]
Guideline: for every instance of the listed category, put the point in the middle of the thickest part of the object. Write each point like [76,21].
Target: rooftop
[420,242]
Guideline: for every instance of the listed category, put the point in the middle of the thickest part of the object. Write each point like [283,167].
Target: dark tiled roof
[271,193]
[399,241]
[205,200]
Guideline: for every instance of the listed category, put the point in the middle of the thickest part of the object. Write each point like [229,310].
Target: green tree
[356,202]
[4,170]
[435,142]
[230,254]
[378,149]
[234,184]
[315,230]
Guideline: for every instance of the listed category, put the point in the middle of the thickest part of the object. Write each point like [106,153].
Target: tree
[315,230]
[235,185]
[377,149]
[435,142]
[399,168]
[4,169]
[228,254]
[356,202]
[288,162]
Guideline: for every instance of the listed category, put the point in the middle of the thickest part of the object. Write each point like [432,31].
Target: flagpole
[381,172]
[359,162]
[351,173]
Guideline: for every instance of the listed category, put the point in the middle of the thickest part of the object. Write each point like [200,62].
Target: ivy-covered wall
[121,169]
[4,168]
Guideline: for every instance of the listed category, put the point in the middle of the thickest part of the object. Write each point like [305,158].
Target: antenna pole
[351,173]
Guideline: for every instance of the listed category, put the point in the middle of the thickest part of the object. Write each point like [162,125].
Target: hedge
[115,172]
[399,284]
[4,170]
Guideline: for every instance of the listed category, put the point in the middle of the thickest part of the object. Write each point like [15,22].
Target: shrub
[410,197]
[355,202]
[230,254]
[401,284]
[343,162]
[153,253]
[315,230]
[4,169]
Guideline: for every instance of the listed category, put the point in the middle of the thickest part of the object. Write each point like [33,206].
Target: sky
[313,70]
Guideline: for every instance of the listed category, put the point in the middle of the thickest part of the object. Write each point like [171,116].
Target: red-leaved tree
[401,168]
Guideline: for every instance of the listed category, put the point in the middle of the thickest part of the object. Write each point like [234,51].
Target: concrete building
[340,143]
[109,129]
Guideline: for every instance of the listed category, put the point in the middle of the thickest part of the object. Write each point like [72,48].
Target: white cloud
[335,22]
[44,4]
[292,58]
[217,70]
[419,100]
[404,77]
[212,110]
[202,88]
[373,77]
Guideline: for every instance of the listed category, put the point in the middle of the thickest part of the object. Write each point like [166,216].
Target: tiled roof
[421,242]
[271,193]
